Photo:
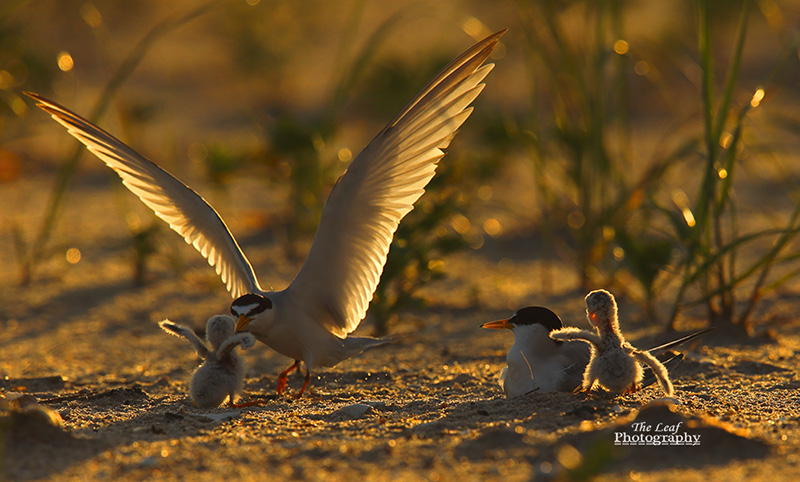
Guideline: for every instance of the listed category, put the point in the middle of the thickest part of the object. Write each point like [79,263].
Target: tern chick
[222,372]
[615,364]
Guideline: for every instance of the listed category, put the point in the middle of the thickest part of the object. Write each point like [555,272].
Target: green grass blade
[733,72]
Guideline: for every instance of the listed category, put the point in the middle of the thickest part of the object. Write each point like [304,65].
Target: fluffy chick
[615,364]
[222,372]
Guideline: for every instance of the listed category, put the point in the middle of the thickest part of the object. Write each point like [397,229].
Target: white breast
[533,363]
[518,379]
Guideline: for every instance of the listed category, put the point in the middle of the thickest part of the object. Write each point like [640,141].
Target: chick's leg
[252,403]
[588,381]
[632,389]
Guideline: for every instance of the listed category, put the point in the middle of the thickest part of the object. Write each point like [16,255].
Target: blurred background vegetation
[651,148]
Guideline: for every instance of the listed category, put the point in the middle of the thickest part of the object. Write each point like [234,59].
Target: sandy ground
[83,341]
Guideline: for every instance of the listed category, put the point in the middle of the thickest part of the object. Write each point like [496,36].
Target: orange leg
[305,385]
[633,389]
[284,375]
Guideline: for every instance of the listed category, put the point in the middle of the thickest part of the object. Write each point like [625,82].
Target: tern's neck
[534,341]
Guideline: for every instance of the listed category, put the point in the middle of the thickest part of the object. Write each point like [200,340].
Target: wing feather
[343,267]
[186,212]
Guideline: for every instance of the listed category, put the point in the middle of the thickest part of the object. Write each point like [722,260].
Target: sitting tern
[222,372]
[615,364]
[536,362]
[310,320]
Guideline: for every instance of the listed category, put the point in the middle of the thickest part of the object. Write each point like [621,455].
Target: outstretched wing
[183,209]
[344,265]
[572,333]
[245,340]
[186,332]
[659,370]
[670,363]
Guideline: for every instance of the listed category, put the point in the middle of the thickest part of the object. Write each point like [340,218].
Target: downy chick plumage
[615,364]
[222,373]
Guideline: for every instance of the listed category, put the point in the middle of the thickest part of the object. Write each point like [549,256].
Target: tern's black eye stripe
[258,303]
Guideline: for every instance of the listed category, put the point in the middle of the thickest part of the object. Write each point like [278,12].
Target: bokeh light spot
[505,266]
[757,97]
[485,193]
[345,154]
[435,264]
[6,80]
[460,223]
[91,15]
[568,456]
[681,201]
[65,61]
[725,140]
[575,220]
[133,220]
[73,255]
[492,227]
[19,106]
[474,27]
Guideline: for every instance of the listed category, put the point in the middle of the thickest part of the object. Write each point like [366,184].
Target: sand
[108,390]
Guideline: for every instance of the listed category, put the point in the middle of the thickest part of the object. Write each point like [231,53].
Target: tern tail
[680,341]
[355,345]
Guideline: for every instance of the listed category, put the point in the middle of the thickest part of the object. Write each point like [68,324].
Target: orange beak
[497,325]
[242,323]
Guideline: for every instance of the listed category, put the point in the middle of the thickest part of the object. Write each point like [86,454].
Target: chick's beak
[242,323]
[497,325]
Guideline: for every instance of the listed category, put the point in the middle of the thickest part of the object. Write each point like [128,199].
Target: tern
[615,364]
[536,362]
[310,320]
[222,372]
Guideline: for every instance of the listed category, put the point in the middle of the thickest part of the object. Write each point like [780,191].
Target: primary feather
[186,212]
[379,189]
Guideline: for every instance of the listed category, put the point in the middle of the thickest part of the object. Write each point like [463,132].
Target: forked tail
[355,345]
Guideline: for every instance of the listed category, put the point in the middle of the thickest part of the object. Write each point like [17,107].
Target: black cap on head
[251,304]
[537,314]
